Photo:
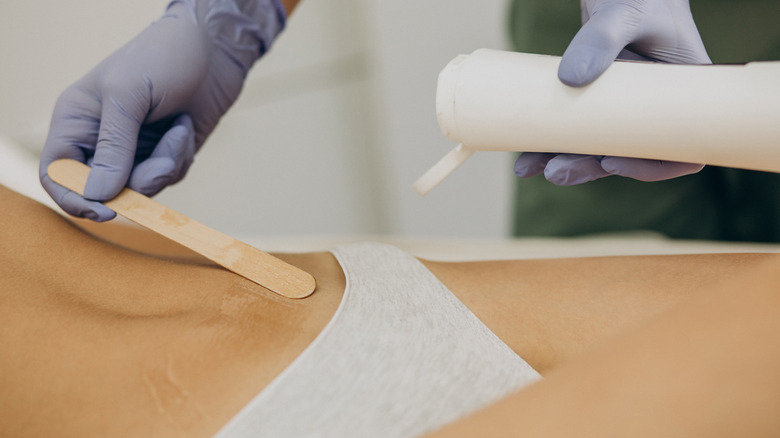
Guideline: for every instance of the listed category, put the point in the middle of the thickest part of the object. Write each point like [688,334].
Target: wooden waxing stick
[246,261]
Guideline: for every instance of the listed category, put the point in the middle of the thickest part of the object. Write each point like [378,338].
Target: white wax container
[722,115]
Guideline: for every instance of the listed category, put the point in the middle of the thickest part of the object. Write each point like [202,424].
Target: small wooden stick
[246,261]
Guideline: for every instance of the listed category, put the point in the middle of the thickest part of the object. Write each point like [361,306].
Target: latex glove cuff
[243,29]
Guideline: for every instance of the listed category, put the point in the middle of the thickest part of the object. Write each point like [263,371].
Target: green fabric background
[716,203]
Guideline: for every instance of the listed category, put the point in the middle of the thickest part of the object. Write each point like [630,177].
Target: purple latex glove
[140,115]
[658,30]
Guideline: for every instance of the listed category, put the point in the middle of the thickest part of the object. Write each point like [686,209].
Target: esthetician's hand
[571,169]
[657,30]
[140,115]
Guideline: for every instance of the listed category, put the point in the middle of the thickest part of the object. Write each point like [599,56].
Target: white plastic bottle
[723,115]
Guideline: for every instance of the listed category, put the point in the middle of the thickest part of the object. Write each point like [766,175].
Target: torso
[146,347]
[98,340]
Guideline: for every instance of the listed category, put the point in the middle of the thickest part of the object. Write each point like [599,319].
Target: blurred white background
[333,126]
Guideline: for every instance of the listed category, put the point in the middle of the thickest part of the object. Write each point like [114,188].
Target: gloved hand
[659,30]
[140,115]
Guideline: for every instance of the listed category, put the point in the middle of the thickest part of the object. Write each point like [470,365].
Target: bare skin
[706,368]
[97,332]
[289,5]
[102,340]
